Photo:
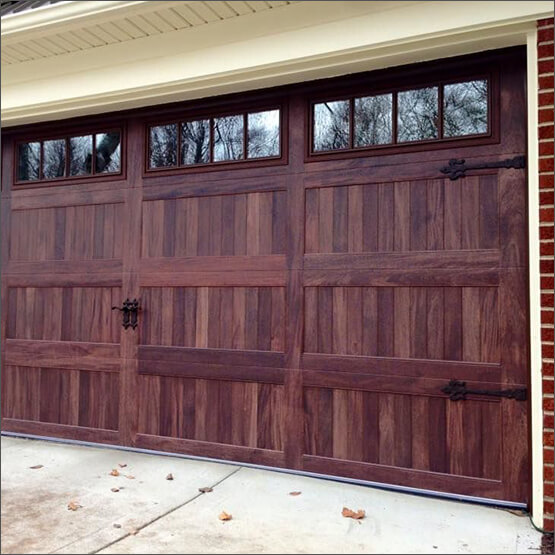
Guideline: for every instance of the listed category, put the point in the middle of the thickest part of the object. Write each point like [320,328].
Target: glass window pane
[28,161]
[331,125]
[417,114]
[163,146]
[108,152]
[80,155]
[54,158]
[228,138]
[465,108]
[373,119]
[263,135]
[195,142]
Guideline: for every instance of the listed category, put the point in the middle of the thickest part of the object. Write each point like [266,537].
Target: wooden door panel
[419,215]
[239,224]
[442,323]
[61,396]
[87,232]
[82,314]
[242,318]
[422,433]
[243,414]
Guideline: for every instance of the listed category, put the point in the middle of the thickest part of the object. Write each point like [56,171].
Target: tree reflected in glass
[263,134]
[28,161]
[331,125]
[54,158]
[195,142]
[80,155]
[228,138]
[163,146]
[465,108]
[417,115]
[373,120]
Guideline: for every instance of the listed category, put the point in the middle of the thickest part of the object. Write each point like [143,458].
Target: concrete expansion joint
[163,515]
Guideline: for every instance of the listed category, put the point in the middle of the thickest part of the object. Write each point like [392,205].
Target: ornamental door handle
[129,311]
[458,391]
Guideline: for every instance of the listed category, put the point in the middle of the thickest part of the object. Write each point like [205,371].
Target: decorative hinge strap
[458,391]
[458,167]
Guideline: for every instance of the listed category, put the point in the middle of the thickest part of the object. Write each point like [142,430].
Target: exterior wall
[545,149]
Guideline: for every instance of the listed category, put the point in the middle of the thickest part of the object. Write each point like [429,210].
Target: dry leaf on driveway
[347,513]
[129,477]
[225,516]
[36,467]
[115,490]
[115,472]
[295,493]
[73,506]
[122,465]
[205,490]
[169,477]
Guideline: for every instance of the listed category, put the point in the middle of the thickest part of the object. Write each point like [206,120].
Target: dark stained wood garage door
[303,312]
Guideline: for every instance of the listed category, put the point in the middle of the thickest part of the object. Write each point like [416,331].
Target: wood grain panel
[250,318]
[404,322]
[417,215]
[244,414]
[413,432]
[241,224]
[67,233]
[64,314]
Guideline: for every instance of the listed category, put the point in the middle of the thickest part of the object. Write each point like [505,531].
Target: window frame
[395,86]
[241,109]
[67,135]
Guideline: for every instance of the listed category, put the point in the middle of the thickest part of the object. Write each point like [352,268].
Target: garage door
[329,277]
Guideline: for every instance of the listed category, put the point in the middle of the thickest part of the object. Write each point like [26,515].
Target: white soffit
[231,46]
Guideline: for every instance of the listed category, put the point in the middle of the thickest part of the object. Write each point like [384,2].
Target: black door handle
[129,312]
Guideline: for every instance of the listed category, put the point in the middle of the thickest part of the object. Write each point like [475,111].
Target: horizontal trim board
[341,479]
[415,260]
[390,278]
[462,485]
[229,357]
[70,355]
[207,449]
[222,264]
[413,367]
[255,278]
[208,371]
[53,267]
[63,280]
[60,430]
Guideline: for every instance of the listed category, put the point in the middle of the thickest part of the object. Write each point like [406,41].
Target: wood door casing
[302,315]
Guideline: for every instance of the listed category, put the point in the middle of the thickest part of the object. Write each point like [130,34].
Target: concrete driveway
[151,514]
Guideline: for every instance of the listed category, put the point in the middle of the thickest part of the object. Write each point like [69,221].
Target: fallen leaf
[122,465]
[225,516]
[347,513]
[117,525]
[115,472]
[205,490]
[169,477]
[295,493]
[73,506]
[129,477]
[115,490]
[134,532]
[36,467]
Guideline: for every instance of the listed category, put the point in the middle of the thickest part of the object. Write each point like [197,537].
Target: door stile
[131,252]
[293,413]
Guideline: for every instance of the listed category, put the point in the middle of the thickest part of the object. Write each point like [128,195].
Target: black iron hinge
[458,391]
[458,168]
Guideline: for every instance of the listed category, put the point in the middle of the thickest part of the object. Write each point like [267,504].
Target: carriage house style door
[329,277]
